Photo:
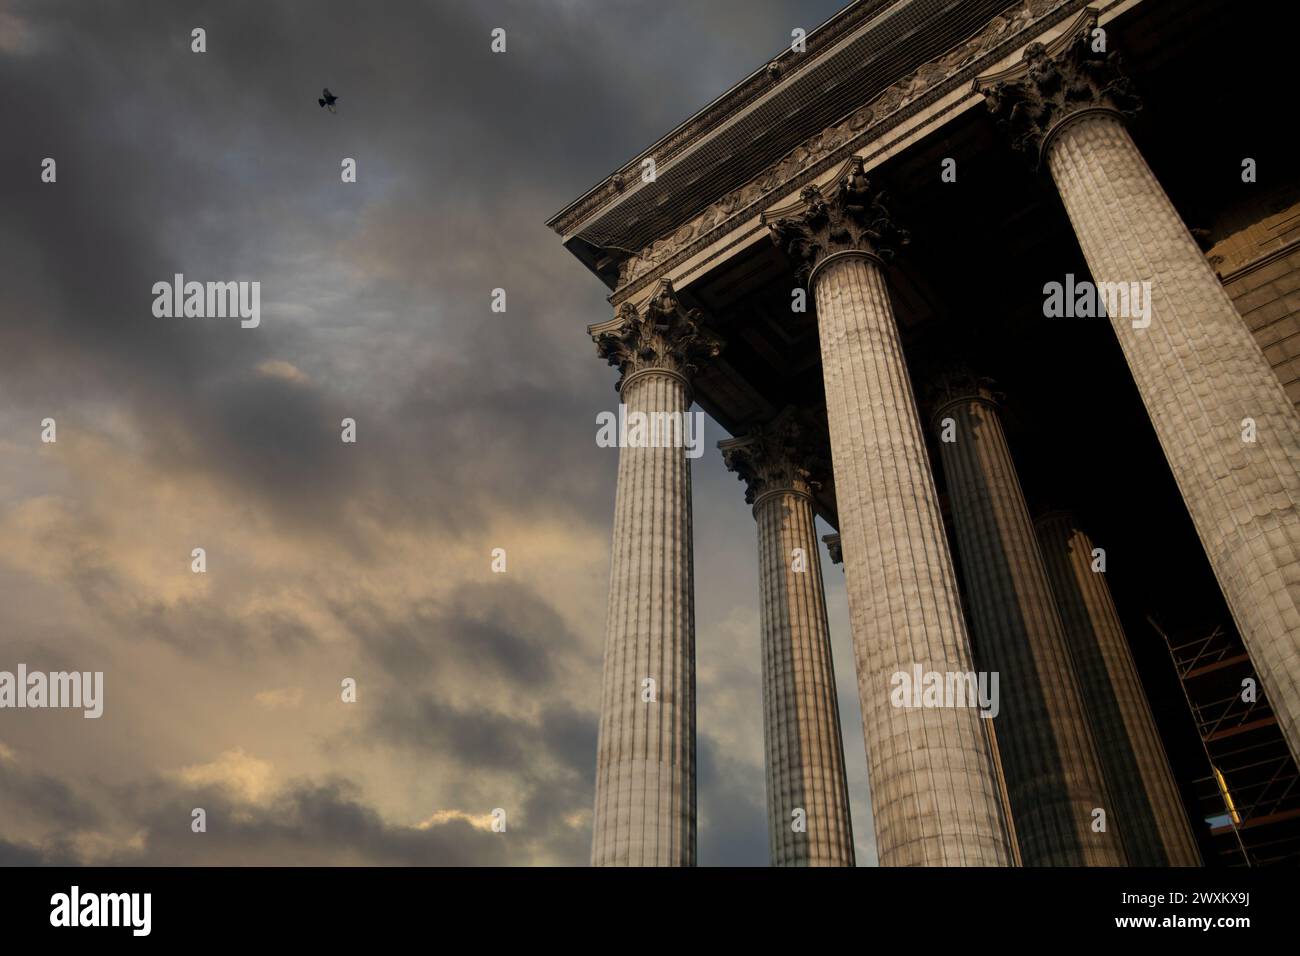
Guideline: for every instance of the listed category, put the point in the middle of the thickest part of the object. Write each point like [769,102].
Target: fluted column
[807,794]
[934,788]
[1053,773]
[645,765]
[1153,824]
[1205,384]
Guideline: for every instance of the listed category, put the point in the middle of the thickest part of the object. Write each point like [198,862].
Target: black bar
[540,907]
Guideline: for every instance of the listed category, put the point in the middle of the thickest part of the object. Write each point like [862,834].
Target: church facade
[1006,294]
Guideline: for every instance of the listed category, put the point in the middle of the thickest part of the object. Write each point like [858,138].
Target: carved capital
[779,456]
[950,384]
[662,335]
[1054,82]
[852,219]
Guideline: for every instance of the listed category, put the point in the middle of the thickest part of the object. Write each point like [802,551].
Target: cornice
[835,145]
[1259,262]
[782,68]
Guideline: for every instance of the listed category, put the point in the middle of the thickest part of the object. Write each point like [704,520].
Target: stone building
[1008,295]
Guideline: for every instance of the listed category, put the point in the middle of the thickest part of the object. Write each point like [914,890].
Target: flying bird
[327,100]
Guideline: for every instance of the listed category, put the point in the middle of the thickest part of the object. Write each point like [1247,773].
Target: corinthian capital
[781,455]
[662,335]
[955,382]
[852,219]
[1051,83]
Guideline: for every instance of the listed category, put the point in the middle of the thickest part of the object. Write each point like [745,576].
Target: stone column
[1231,437]
[1053,773]
[1152,822]
[934,788]
[645,765]
[807,794]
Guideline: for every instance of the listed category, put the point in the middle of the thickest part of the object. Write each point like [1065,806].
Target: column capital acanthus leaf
[853,218]
[663,334]
[779,455]
[1055,81]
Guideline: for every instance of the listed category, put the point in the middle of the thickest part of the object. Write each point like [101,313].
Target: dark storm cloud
[550,757]
[483,737]
[201,627]
[501,629]
[15,854]
[216,165]
[733,822]
[57,801]
[555,792]
[196,625]
[309,823]
[39,655]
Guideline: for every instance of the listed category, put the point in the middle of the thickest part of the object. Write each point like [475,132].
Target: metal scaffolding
[1250,798]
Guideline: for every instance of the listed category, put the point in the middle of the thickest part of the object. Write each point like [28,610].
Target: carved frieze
[841,138]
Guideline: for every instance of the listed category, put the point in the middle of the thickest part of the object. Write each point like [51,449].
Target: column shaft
[645,767]
[801,722]
[934,789]
[1201,376]
[1053,773]
[1153,823]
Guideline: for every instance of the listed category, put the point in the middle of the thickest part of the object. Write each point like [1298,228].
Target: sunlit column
[934,787]
[645,765]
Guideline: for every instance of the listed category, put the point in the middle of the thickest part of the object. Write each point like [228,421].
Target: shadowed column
[645,765]
[1152,822]
[807,795]
[1053,773]
[934,788]
[1205,384]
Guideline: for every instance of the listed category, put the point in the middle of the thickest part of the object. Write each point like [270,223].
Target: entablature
[698,229]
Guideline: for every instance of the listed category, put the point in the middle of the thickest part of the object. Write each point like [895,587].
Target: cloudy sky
[325,560]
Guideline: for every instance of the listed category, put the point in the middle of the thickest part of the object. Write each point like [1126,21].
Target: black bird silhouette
[327,100]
